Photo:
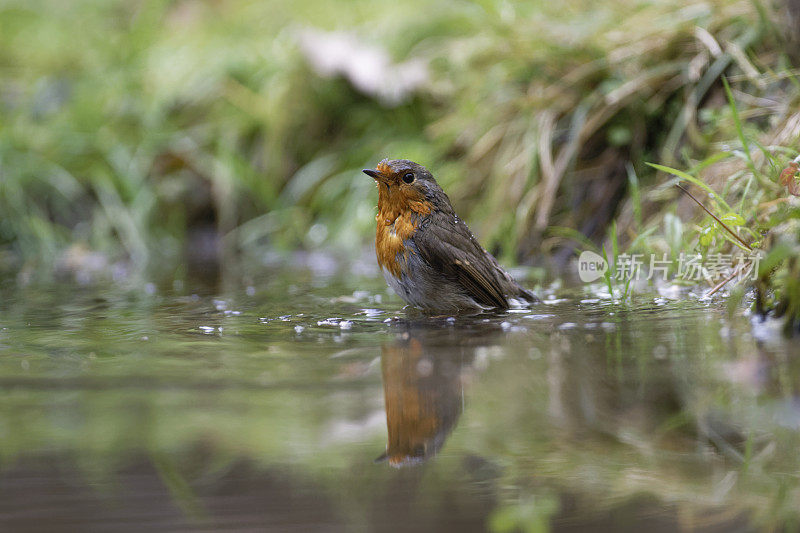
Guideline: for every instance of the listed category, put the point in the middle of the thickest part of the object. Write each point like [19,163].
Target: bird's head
[406,185]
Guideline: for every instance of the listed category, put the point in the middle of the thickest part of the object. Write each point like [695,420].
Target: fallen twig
[721,223]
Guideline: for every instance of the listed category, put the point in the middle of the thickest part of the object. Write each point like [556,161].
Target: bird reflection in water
[424,373]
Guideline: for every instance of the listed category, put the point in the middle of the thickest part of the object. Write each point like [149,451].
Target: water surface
[300,403]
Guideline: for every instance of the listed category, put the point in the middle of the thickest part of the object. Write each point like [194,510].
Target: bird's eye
[408,177]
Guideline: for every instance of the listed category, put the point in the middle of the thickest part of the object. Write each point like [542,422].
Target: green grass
[765,220]
[130,129]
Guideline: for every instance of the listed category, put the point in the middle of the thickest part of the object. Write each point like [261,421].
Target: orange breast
[389,245]
[399,213]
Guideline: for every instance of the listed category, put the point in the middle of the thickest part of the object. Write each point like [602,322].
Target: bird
[427,254]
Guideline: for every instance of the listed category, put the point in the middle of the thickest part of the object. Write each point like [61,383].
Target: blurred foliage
[143,129]
[749,213]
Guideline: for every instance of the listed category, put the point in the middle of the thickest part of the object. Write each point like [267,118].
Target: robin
[427,253]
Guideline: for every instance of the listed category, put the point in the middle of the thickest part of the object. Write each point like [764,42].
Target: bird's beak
[372,173]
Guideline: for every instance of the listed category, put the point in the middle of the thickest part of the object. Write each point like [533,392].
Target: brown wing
[447,245]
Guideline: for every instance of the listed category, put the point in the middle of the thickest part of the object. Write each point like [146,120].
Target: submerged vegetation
[162,130]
